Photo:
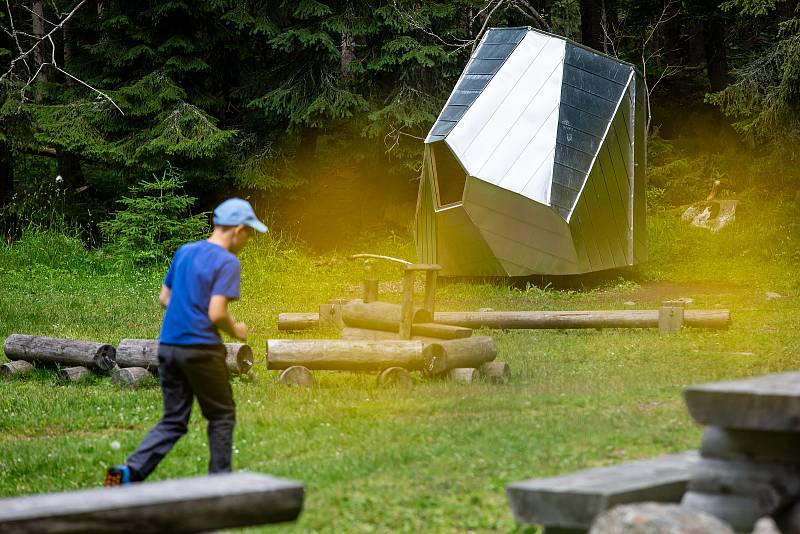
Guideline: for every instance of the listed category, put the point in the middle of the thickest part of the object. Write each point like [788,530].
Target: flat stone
[772,485]
[574,500]
[768,403]
[740,512]
[751,445]
[657,518]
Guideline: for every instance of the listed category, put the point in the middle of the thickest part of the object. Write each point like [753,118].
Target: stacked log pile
[371,340]
[750,452]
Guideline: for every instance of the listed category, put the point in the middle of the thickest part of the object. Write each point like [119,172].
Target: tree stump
[73,374]
[395,376]
[129,376]
[297,375]
[495,372]
[462,375]
[15,368]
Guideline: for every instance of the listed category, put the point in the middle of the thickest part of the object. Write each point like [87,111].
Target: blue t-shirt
[198,271]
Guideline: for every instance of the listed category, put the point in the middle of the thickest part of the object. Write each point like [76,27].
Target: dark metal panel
[576,159]
[592,83]
[484,66]
[598,64]
[571,179]
[495,51]
[571,137]
[587,102]
[561,199]
[462,250]
[569,116]
[442,128]
[453,113]
[474,82]
[505,35]
[463,98]
[612,207]
[598,220]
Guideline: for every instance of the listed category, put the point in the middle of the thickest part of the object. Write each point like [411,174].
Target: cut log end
[297,375]
[395,377]
[105,358]
[495,372]
[239,357]
[462,375]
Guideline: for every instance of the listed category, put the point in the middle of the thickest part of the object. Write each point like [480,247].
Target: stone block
[740,512]
[751,445]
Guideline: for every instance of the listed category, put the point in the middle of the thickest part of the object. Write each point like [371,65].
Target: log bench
[197,504]
[571,502]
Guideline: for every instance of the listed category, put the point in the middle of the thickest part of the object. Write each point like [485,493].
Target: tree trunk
[591,23]
[715,50]
[6,175]
[62,351]
[348,52]
[68,50]
[580,319]
[69,167]
[345,355]
[307,150]
[610,23]
[379,315]
[37,24]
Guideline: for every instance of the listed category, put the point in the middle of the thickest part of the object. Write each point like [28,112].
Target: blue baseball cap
[236,211]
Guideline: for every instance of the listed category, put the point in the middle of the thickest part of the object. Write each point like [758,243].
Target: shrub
[154,221]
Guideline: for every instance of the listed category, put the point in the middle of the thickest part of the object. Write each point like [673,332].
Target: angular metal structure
[536,164]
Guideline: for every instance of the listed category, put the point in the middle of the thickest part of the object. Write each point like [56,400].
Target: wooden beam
[199,504]
[579,319]
[345,355]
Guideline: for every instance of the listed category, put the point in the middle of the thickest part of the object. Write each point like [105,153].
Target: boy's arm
[218,313]
[164,296]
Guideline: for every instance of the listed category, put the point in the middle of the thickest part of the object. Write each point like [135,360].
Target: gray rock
[574,500]
[766,525]
[753,446]
[740,512]
[767,403]
[657,518]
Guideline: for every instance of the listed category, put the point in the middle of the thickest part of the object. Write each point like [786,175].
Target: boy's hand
[240,331]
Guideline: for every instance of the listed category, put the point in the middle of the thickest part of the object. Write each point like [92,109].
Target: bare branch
[532,13]
[38,16]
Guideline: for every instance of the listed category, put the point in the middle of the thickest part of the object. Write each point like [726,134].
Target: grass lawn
[435,458]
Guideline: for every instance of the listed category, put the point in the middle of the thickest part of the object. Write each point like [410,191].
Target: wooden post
[73,374]
[395,376]
[370,288]
[73,352]
[330,316]
[129,376]
[15,368]
[430,290]
[670,316]
[297,375]
[407,306]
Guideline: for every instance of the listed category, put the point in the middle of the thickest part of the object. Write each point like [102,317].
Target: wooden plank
[766,403]
[579,319]
[575,499]
[197,504]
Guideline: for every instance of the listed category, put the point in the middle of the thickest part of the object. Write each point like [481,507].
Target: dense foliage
[270,99]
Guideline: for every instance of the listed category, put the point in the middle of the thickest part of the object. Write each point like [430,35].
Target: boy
[202,279]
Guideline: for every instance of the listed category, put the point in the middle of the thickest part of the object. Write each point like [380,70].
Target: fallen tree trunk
[579,319]
[298,321]
[471,352]
[144,353]
[379,315]
[346,355]
[100,356]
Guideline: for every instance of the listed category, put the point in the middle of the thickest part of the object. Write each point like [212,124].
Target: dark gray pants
[186,372]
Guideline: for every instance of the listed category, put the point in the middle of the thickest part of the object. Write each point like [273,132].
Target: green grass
[435,458]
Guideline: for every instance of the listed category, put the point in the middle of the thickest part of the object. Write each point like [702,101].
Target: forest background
[119,115]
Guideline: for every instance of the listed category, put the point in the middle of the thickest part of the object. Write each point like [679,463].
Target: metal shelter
[536,163]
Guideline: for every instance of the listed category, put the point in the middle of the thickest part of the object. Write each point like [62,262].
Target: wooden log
[471,352]
[198,504]
[15,368]
[297,375]
[144,353]
[495,371]
[395,376]
[73,374]
[379,315]
[579,319]
[298,321]
[349,332]
[370,290]
[345,355]
[129,376]
[100,356]
[440,331]
[330,315]
[463,375]
[407,305]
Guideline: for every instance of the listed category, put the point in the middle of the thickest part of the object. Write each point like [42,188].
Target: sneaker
[118,475]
